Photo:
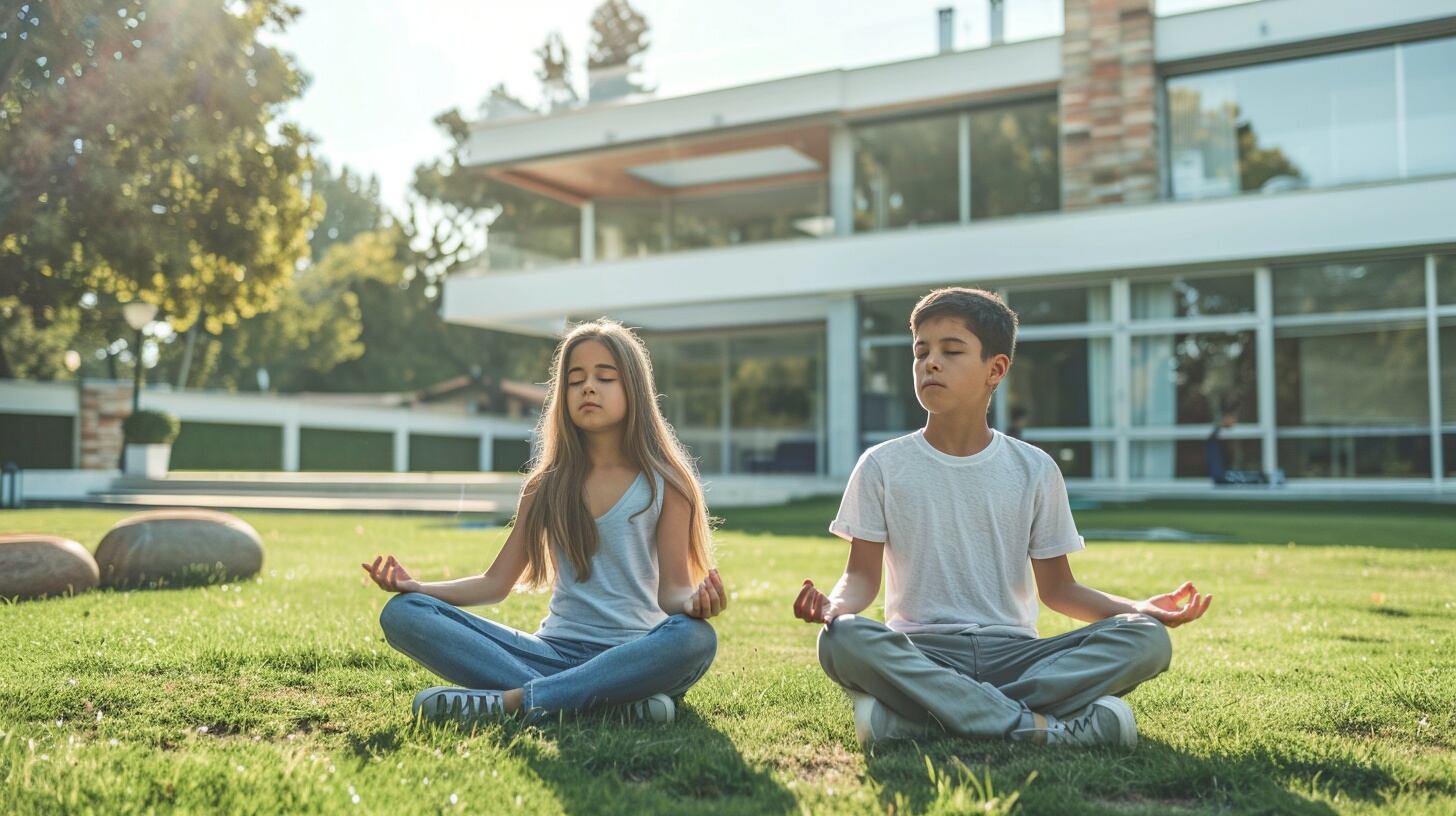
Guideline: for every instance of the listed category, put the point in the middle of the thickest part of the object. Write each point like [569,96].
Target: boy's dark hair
[984,313]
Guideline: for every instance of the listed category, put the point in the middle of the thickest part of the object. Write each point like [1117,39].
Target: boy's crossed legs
[989,686]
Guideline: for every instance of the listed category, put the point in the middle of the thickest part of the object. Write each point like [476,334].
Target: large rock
[178,547]
[34,566]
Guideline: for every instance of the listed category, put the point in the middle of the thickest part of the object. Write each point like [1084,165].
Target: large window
[1193,296]
[631,228]
[745,403]
[909,172]
[534,231]
[750,216]
[1014,160]
[1369,115]
[1193,379]
[1350,287]
[905,173]
[1062,383]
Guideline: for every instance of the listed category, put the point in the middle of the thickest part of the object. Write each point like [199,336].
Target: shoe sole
[1126,723]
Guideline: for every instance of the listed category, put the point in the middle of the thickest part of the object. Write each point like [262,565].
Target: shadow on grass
[599,762]
[1156,778]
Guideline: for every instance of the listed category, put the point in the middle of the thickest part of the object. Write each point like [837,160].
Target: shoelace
[462,705]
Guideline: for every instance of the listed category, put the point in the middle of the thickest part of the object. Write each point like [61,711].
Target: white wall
[289,412]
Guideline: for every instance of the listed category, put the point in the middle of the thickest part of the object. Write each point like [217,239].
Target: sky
[381,70]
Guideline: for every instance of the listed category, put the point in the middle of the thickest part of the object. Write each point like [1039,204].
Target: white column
[1264,363]
[290,444]
[841,178]
[1121,379]
[1433,374]
[588,232]
[487,451]
[401,449]
[841,392]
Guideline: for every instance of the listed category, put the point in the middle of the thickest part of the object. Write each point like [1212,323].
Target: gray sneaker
[874,721]
[657,708]
[1108,721]
[464,706]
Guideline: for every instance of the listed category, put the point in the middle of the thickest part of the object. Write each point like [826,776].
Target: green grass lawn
[1323,680]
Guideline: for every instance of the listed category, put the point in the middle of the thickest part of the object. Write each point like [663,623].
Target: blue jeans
[555,674]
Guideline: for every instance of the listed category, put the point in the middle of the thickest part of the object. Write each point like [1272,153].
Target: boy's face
[949,371]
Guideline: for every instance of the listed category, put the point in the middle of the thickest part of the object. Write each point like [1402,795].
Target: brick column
[1108,104]
[103,407]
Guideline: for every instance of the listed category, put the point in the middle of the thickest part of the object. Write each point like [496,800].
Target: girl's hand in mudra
[391,575]
[709,599]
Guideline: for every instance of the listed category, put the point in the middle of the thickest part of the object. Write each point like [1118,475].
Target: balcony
[789,280]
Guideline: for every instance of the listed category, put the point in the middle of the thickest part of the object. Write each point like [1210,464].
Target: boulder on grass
[178,548]
[33,565]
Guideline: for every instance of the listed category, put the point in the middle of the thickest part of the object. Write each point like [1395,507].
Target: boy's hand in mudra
[1182,605]
[708,599]
[813,606]
[390,575]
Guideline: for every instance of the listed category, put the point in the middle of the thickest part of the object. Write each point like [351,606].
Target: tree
[555,74]
[351,205]
[619,33]
[141,157]
[619,36]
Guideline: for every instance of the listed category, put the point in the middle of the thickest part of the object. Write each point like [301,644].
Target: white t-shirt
[959,531]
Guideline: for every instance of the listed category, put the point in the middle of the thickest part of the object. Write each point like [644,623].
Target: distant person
[973,527]
[1217,449]
[1017,428]
[613,517]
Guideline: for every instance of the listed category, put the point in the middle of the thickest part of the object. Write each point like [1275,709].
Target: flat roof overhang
[960,77]
[1245,230]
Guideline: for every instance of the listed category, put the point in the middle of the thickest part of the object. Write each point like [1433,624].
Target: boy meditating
[974,526]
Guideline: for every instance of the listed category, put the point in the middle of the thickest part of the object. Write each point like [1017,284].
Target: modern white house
[1247,209]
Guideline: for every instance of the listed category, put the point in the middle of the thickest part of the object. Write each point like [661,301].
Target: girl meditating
[612,517]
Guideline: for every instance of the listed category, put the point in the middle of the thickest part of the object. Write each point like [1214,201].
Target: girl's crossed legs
[554,674]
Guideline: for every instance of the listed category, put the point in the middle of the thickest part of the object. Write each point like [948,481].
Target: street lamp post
[138,314]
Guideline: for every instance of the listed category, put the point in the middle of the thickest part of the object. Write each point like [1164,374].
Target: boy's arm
[1059,590]
[854,592]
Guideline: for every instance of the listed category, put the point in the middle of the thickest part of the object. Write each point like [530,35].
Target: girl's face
[595,398]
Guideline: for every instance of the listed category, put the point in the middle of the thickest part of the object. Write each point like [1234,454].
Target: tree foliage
[141,156]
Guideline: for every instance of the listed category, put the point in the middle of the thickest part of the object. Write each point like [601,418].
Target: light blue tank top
[618,603]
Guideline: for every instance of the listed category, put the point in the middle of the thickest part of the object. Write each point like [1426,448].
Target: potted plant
[149,436]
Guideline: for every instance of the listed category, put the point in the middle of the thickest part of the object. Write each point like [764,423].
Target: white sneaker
[1108,721]
[459,705]
[874,721]
[657,708]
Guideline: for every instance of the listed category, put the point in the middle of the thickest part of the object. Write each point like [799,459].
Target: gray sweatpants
[977,685]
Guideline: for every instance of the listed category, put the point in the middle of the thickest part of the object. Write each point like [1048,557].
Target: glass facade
[1349,378]
[1368,115]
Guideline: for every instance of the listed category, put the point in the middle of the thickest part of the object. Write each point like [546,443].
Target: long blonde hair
[558,522]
